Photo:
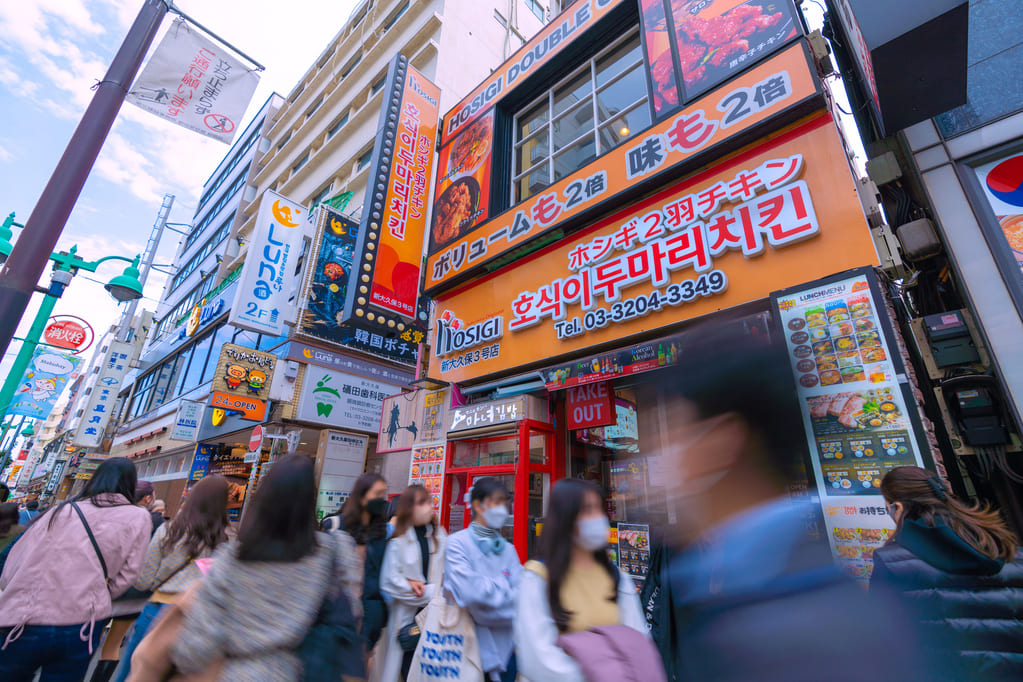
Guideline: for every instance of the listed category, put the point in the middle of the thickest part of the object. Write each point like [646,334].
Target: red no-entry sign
[256,439]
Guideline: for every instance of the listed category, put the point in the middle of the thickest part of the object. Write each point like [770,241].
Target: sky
[52,53]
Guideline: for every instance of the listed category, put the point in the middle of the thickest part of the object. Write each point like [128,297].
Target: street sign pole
[27,261]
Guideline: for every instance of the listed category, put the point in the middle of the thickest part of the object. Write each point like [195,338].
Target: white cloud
[6,154]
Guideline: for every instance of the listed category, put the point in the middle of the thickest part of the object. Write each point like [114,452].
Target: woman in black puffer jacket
[957,569]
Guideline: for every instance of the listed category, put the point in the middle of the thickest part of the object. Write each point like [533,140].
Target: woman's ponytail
[924,498]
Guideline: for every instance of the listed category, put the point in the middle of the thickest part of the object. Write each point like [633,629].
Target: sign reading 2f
[261,300]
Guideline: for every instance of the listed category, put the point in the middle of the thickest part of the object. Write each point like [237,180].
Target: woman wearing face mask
[364,517]
[411,575]
[481,573]
[573,588]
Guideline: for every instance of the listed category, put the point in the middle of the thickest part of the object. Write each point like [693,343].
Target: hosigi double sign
[783,213]
[762,92]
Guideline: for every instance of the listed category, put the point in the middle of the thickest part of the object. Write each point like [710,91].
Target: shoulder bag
[332,649]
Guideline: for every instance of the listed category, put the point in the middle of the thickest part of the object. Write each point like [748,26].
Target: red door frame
[522,467]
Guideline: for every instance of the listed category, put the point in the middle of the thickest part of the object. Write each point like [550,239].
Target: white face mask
[495,516]
[591,534]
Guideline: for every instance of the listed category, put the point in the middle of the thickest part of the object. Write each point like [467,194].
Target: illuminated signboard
[384,284]
[695,135]
[783,213]
[693,47]
[326,290]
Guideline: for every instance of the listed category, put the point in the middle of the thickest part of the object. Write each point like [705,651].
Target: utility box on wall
[910,56]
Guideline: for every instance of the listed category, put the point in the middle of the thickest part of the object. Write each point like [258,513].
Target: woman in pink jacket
[61,575]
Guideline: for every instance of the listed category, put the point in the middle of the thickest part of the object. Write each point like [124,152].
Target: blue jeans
[142,624]
[57,649]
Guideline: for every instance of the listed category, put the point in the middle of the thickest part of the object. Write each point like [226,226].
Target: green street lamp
[124,287]
[28,431]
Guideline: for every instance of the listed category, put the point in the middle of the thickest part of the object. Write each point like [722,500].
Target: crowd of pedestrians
[381,592]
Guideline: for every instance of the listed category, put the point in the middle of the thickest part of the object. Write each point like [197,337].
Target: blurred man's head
[145,493]
[32,505]
[5,492]
[734,437]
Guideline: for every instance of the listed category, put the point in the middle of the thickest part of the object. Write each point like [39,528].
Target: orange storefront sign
[769,89]
[783,213]
[250,408]
[395,285]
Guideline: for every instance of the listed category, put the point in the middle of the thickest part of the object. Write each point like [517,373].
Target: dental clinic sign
[261,300]
[342,399]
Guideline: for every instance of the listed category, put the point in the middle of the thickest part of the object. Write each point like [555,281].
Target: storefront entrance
[523,456]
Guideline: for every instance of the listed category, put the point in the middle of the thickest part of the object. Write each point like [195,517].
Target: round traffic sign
[68,332]
[256,439]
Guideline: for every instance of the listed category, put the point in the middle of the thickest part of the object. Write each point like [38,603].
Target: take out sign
[768,89]
[777,216]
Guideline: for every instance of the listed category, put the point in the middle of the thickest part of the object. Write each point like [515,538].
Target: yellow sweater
[587,594]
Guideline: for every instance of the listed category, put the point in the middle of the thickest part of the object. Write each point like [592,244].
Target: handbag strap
[92,539]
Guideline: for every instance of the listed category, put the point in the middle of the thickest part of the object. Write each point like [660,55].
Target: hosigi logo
[452,337]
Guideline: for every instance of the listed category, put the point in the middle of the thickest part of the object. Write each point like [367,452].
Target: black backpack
[332,649]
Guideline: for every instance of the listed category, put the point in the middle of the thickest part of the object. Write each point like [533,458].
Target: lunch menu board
[854,408]
[427,469]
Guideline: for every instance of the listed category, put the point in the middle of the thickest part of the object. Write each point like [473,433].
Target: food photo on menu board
[860,436]
[838,342]
[463,191]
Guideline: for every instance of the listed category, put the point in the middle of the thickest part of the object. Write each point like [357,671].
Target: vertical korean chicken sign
[390,246]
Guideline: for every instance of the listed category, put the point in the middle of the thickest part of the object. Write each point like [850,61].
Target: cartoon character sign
[257,379]
[40,389]
[235,375]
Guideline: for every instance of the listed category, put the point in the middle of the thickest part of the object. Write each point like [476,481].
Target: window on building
[337,125]
[235,159]
[589,112]
[360,13]
[363,160]
[320,196]
[197,366]
[350,66]
[280,145]
[537,9]
[395,15]
[315,105]
[301,162]
[377,86]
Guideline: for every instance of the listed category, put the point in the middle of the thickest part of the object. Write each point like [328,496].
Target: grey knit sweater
[161,564]
[255,614]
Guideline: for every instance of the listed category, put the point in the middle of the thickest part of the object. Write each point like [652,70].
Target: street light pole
[27,261]
[65,267]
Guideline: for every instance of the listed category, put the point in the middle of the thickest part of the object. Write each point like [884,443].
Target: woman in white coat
[574,587]
[411,575]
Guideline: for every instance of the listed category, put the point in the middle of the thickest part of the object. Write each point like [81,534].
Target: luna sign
[264,287]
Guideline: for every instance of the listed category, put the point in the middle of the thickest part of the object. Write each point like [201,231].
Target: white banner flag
[100,407]
[261,300]
[195,83]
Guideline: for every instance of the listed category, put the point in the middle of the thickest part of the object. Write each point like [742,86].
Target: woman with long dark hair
[364,517]
[264,591]
[958,570]
[412,573]
[61,576]
[573,587]
[482,573]
[169,568]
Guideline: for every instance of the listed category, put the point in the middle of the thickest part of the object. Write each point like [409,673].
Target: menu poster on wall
[854,407]
[427,470]
[634,549]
